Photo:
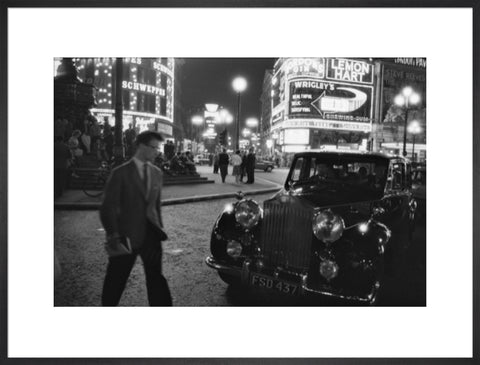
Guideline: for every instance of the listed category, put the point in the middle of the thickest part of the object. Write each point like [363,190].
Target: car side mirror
[289,185]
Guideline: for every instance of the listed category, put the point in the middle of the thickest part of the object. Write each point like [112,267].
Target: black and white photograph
[240,181]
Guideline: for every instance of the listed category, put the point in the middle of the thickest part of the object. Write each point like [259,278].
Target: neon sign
[350,70]
[131,85]
[330,100]
[305,66]
[162,68]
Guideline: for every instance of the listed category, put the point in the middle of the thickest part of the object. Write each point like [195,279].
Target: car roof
[350,153]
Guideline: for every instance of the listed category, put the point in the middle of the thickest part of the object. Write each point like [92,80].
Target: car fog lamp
[234,249]
[248,213]
[328,269]
[327,226]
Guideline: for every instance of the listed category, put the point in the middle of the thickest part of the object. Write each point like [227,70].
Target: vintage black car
[340,223]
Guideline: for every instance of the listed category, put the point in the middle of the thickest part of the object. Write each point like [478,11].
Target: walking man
[215,162]
[250,166]
[131,216]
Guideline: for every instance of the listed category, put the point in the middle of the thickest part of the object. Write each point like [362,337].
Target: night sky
[209,80]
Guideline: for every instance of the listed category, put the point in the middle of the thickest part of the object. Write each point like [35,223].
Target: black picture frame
[6,5]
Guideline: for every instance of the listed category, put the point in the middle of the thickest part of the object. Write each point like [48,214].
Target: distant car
[201,160]
[340,223]
[264,165]
[419,188]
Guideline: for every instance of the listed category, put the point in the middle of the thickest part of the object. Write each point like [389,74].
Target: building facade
[393,75]
[148,89]
[344,103]
[321,103]
[266,113]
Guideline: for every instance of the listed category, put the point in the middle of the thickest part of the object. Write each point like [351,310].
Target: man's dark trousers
[119,268]
[250,175]
[223,171]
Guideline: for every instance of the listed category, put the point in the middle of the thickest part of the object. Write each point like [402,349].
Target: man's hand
[117,245]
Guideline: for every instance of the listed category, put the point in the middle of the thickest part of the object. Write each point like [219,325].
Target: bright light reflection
[239,84]
[363,228]
[228,208]
[252,122]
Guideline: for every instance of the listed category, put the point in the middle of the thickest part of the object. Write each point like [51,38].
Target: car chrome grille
[287,234]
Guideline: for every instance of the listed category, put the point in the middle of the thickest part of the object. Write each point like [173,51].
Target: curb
[173,201]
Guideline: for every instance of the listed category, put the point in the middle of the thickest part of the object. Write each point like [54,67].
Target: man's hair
[147,136]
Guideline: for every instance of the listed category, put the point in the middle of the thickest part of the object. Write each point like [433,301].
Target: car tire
[269,169]
[229,279]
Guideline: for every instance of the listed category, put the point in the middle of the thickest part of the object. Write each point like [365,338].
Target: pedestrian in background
[108,139]
[59,128]
[236,162]
[131,216]
[169,150]
[223,161]
[101,150]
[74,146]
[215,163]
[130,135]
[86,141]
[68,129]
[243,166]
[250,166]
[95,134]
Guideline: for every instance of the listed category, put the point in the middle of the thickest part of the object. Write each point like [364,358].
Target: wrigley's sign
[136,86]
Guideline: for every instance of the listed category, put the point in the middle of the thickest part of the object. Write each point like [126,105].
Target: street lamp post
[414,129]
[197,121]
[118,150]
[239,85]
[406,98]
[225,118]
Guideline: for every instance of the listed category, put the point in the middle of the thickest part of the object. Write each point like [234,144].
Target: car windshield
[339,172]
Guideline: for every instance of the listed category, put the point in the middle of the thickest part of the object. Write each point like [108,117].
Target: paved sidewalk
[179,194]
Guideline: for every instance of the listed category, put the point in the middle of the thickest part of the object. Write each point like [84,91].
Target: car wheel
[269,169]
[230,279]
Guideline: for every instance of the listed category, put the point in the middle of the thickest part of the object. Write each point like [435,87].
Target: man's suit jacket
[126,209]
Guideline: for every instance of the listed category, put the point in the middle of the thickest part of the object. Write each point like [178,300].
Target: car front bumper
[244,272]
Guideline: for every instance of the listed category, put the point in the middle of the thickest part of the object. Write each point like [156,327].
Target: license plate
[268,282]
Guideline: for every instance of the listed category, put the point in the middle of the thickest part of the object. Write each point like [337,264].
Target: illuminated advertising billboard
[147,87]
[314,98]
[354,71]
[328,89]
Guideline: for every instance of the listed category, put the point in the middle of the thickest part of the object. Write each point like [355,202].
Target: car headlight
[248,213]
[327,226]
